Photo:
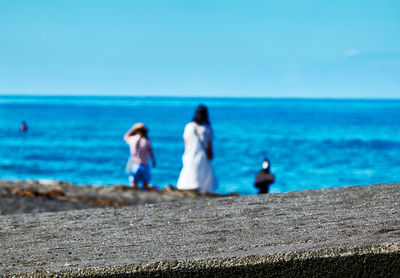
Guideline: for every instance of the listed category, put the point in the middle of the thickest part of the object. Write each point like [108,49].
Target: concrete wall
[353,231]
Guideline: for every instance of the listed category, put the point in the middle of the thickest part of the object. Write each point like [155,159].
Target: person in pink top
[140,149]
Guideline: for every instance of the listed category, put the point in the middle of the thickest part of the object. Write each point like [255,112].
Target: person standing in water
[140,149]
[197,172]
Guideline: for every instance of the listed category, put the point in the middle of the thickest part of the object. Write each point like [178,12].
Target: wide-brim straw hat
[139,126]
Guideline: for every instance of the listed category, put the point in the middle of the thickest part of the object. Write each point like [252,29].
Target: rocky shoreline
[50,196]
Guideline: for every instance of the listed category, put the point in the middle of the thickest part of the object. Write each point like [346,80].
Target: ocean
[311,143]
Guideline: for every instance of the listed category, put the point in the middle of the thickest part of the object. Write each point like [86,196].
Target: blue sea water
[311,143]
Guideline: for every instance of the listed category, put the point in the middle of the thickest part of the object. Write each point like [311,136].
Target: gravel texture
[351,231]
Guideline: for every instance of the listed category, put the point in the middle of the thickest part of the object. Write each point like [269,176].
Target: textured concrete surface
[353,231]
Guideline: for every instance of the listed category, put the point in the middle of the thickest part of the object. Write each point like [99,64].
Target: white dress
[197,172]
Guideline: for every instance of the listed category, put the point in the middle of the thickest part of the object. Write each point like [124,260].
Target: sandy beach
[50,196]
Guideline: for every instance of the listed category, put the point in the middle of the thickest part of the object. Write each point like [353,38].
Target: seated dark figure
[264,178]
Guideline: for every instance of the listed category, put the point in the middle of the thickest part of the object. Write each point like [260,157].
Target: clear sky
[286,48]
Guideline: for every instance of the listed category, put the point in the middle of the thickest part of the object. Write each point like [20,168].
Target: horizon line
[199,96]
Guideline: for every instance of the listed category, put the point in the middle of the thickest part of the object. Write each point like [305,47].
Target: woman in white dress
[197,173]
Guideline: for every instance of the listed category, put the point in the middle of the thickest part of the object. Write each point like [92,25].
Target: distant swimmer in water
[24,126]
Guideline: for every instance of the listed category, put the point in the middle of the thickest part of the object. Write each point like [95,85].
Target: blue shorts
[140,173]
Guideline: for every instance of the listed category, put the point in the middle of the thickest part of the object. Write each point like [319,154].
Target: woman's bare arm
[210,154]
[128,134]
[153,158]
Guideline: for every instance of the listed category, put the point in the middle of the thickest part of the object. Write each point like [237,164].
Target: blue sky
[343,49]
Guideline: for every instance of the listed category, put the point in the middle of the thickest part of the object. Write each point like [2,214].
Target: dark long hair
[201,115]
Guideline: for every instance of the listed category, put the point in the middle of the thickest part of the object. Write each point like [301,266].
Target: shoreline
[32,196]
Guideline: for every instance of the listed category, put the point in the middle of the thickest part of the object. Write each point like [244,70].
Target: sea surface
[312,143]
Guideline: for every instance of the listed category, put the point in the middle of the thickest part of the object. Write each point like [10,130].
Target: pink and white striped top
[140,148]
